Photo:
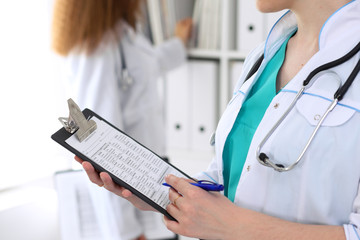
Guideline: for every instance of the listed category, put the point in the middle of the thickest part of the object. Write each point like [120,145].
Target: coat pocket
[313,107]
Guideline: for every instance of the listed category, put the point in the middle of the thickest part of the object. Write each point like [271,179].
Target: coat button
[248,168]
[317,117]
[276,105]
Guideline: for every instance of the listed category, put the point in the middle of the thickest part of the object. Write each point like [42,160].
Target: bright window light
[31,95]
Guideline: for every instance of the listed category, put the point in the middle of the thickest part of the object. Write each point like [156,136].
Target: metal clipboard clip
[76,122]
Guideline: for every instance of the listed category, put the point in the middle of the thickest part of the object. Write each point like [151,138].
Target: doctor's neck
[311,15]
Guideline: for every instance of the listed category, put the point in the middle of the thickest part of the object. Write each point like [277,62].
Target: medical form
[127,160]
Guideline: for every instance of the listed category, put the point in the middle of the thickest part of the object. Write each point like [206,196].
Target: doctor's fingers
[181,185]
[174,197]
[92,174]
[79,160]
[90,171]
[111,186]
[186,216]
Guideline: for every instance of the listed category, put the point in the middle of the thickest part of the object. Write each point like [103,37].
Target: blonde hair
[83,23]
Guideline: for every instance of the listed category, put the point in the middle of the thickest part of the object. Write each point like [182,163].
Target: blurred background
[33,97]
[31,101]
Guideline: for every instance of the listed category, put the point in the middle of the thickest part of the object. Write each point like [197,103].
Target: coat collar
[335,33]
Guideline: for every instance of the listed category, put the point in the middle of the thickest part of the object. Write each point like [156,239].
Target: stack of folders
[206,28]
[163,15]
[191,106]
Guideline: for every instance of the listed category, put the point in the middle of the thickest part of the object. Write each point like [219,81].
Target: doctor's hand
[199,214]
[210,215]
[103,179]
[183,30]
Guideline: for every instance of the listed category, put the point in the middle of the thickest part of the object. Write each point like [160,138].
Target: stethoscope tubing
[341,91]
[339,94]
[332,64]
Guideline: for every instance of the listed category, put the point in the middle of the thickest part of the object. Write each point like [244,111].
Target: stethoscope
[339,94]
[125,80]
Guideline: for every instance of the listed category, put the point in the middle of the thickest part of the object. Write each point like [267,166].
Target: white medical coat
[324,187]
[94,83]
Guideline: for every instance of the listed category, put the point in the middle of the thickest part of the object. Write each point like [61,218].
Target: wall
[29,212]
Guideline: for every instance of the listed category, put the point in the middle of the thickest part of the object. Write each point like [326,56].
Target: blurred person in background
[113,69]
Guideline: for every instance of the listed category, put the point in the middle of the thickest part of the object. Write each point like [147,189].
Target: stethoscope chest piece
[125,79]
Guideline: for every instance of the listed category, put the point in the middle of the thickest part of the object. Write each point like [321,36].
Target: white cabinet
[177,107]
[250,22]
[203,102]
[190,112]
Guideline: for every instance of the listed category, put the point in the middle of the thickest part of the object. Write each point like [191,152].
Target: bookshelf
[236,21]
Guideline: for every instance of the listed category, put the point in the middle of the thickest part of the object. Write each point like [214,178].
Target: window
[31,97]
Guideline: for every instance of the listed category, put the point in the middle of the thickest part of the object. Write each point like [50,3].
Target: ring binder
[77,122]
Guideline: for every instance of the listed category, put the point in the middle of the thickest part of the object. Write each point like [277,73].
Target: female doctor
[113,69]
[277,186]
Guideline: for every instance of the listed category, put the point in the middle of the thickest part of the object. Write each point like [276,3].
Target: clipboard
[85,130]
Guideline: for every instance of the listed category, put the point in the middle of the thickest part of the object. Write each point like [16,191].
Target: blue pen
[206,185]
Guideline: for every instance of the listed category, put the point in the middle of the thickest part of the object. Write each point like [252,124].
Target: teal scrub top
[252,111]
